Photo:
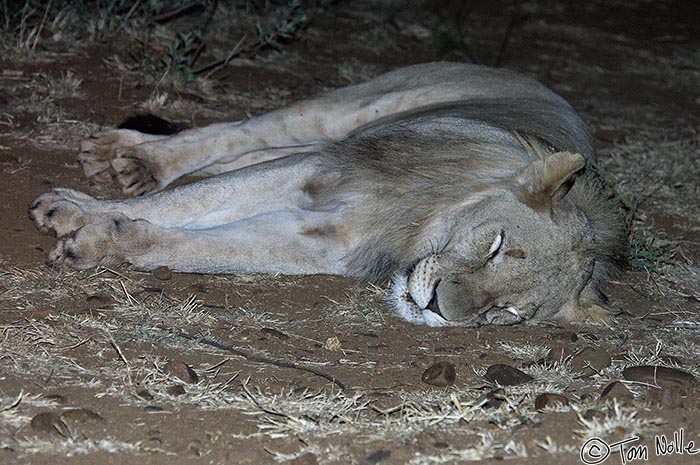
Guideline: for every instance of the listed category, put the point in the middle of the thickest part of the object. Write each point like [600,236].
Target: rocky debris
[659,376]
[506,375]
[162,273]
[550,400]
[440,374]
[492,399]
[144,394]
[181,371]
[616,390]
[332,344]
[274,332]
[376,457]
[175,390]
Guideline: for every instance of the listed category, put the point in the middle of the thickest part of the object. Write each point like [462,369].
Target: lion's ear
[548,179]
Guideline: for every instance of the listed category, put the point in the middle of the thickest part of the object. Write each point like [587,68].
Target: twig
[218,64]
[259,358]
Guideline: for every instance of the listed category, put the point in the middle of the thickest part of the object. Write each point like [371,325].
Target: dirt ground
[122,366]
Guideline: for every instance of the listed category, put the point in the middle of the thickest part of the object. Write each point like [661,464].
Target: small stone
[659,376]
[144,394]
[181,371]
[440,374]
[614,136]
[590,361]
[332,344]
[275,333]
[81,415]
[550,400]
[670,397]
[175,390]
[305,459]
[492,399]
[56,398]
[49,422]
[616,390]
[152,408]
[376,457]
[506,375]
[162,273]
[97,301]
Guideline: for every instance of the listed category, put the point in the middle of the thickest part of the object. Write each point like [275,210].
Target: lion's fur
[455,178]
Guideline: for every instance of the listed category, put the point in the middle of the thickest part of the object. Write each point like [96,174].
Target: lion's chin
[404,305]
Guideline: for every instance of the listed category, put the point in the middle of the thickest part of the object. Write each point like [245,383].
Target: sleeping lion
[460,184]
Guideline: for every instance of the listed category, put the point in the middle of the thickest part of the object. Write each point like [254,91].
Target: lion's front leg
[285,242]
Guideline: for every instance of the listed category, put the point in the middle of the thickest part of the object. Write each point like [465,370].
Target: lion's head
[477,224]
[537,250]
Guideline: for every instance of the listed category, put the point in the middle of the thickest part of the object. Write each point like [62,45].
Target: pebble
[56,398]
[162,273]
[97,301]
[81,415]
[506,375]
[51,423]
[144,394]
[550,400]
[274,332]
[332,344]
[659,376]
[492,399]
[175,390]
[376,457]
[616,390]
[590,361]
[181,371]
[440,374]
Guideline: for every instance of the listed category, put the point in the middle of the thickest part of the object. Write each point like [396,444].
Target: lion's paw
[59,211]
[134,175]
[117,153]
[96,243]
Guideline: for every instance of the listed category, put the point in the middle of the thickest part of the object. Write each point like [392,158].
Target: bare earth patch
[121,366]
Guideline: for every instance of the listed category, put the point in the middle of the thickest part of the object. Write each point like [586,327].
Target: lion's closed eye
[496,246]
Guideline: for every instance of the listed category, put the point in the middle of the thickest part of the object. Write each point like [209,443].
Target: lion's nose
[433,305]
